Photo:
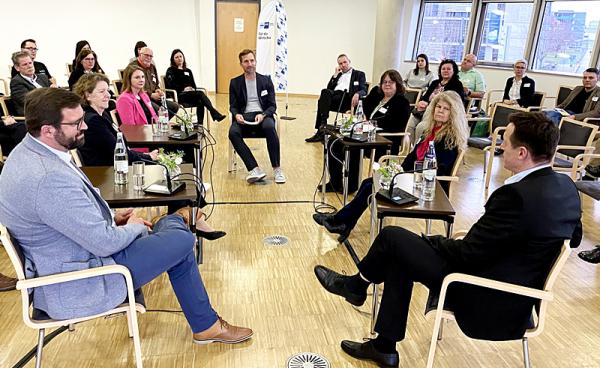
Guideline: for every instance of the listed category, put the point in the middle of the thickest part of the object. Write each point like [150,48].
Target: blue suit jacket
[62,224]
[238,97]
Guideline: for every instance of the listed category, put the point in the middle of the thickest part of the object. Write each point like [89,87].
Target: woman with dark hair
[86,62]
[83,44]
[420,77]
[445,125]
[180,78]
[133,105]
[447,81]
[386,105]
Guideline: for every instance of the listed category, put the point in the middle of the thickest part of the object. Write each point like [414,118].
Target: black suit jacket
[265,91]
[517,240]
[526,91]
[391,117]
[40,68]
[100,140]
[358,83]
[19,87]
[454,84]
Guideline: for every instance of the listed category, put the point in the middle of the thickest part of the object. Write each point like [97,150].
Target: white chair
[545,296]
[129,308]
[232,155]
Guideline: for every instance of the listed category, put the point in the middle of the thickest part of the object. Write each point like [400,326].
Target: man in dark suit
[343,91]
[25,81]
[252,106]
[516,240]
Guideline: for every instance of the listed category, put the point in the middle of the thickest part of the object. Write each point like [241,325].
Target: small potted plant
[171,160]
[387,172]
[346,126]
[185,120]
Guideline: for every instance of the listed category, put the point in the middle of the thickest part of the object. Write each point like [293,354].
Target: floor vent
[307,360]
[276,240]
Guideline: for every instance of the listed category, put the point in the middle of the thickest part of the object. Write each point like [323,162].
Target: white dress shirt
[32,80]
[344,81]
[519,176]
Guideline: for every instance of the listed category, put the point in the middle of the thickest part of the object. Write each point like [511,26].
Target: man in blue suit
[252,106]
[65,225]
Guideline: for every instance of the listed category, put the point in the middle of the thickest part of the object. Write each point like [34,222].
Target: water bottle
[429,173]
[359,118]
[121,164]
[163,115]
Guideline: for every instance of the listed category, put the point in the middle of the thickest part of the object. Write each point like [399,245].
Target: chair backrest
[114,114]
[563,92]
[120,73]
[118,83]
[500,115]
[14,252]
[412,95]
[8,106]
[457,162]
[162,82]
[4,85]
[538,98]
[76,157]
[575,133]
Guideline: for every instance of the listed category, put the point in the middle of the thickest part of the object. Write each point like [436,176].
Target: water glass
[155,127]
[139,169]
[418,175]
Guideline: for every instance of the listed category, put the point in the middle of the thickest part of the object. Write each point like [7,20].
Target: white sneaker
[255,175]
[279,176]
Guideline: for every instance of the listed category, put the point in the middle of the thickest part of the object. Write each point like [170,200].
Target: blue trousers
[555,116]
[170,248]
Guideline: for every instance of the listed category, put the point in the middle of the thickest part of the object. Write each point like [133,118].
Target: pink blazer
[130,111]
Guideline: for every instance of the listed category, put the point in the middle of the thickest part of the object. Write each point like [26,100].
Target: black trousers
[266,129]
[336,151]
[399,258]
[330,100]
[11,135]
[199,100]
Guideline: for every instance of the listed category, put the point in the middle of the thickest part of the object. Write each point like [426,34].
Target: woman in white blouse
[519,89]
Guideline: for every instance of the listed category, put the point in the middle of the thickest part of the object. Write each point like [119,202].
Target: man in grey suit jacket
[65,225]
[25,81]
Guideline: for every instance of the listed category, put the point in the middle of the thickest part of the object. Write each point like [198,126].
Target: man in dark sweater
[583,101]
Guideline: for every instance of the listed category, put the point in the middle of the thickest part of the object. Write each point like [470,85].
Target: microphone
[339,108]
[185,135]
[167,186]
[397,195]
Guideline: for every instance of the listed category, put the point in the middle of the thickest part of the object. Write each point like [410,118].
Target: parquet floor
[274,291]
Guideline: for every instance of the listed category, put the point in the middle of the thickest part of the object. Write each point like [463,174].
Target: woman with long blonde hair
[444,123]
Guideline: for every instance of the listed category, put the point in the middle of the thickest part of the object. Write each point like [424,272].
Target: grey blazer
[62,225]
[20,86]
[591,109]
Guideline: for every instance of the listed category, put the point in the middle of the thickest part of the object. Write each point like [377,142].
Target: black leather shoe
[367,351]
[593,170]
[321,217]
[210,235]
[335,227]
[218,116]
[591,256]
[335,283]
[318,137]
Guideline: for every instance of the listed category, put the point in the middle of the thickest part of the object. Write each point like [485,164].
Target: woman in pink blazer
[133,105]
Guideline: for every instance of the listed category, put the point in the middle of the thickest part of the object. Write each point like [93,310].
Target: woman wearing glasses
[519,90]
[180,78]
[86,62]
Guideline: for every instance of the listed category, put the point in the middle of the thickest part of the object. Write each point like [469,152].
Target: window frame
[475,30]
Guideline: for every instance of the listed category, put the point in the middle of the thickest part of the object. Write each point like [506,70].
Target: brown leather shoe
[7,283]
[221,331]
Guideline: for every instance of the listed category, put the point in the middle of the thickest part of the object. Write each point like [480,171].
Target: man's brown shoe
[7,283]
[223,332]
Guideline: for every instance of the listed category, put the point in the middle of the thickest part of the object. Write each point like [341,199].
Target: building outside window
[444,29]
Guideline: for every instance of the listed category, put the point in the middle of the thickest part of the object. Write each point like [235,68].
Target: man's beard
[68,143]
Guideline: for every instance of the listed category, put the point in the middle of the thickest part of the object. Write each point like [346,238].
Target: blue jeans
[555,116]
[170,248]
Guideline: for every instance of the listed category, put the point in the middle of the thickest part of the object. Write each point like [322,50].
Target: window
[505,32]
[567,36]
[444,28]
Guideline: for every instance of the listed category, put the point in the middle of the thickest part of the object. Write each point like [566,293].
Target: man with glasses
[30,46]
[471,78]
[65,226]
[152,86]
[26,80]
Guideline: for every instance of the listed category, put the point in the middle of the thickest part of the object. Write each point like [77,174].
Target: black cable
[31,353]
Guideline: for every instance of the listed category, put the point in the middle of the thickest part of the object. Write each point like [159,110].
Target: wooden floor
[274,291]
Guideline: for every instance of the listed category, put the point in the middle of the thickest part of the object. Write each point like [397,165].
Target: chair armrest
[74,275]
[496,285]
[447,178]
[595,121]
[577,162]
[398,134]
[173,94]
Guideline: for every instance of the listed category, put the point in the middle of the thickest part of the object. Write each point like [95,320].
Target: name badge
[382,110]
[595,98]
[356,83]
[186,73]
[263,93]
[527,85]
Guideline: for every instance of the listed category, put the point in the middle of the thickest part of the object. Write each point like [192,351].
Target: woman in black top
[181,79]
[519,90]
[86,62]
[100,136]
[83,44]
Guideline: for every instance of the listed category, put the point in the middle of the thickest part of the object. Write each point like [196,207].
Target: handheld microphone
[166,187]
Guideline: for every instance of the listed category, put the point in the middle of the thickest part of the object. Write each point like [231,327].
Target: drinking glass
[418,175]
[155,127]
[139,169]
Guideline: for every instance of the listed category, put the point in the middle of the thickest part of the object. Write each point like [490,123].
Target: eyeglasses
[388,82]
[148,56]
[89,59]
[77,123]
[31,48]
